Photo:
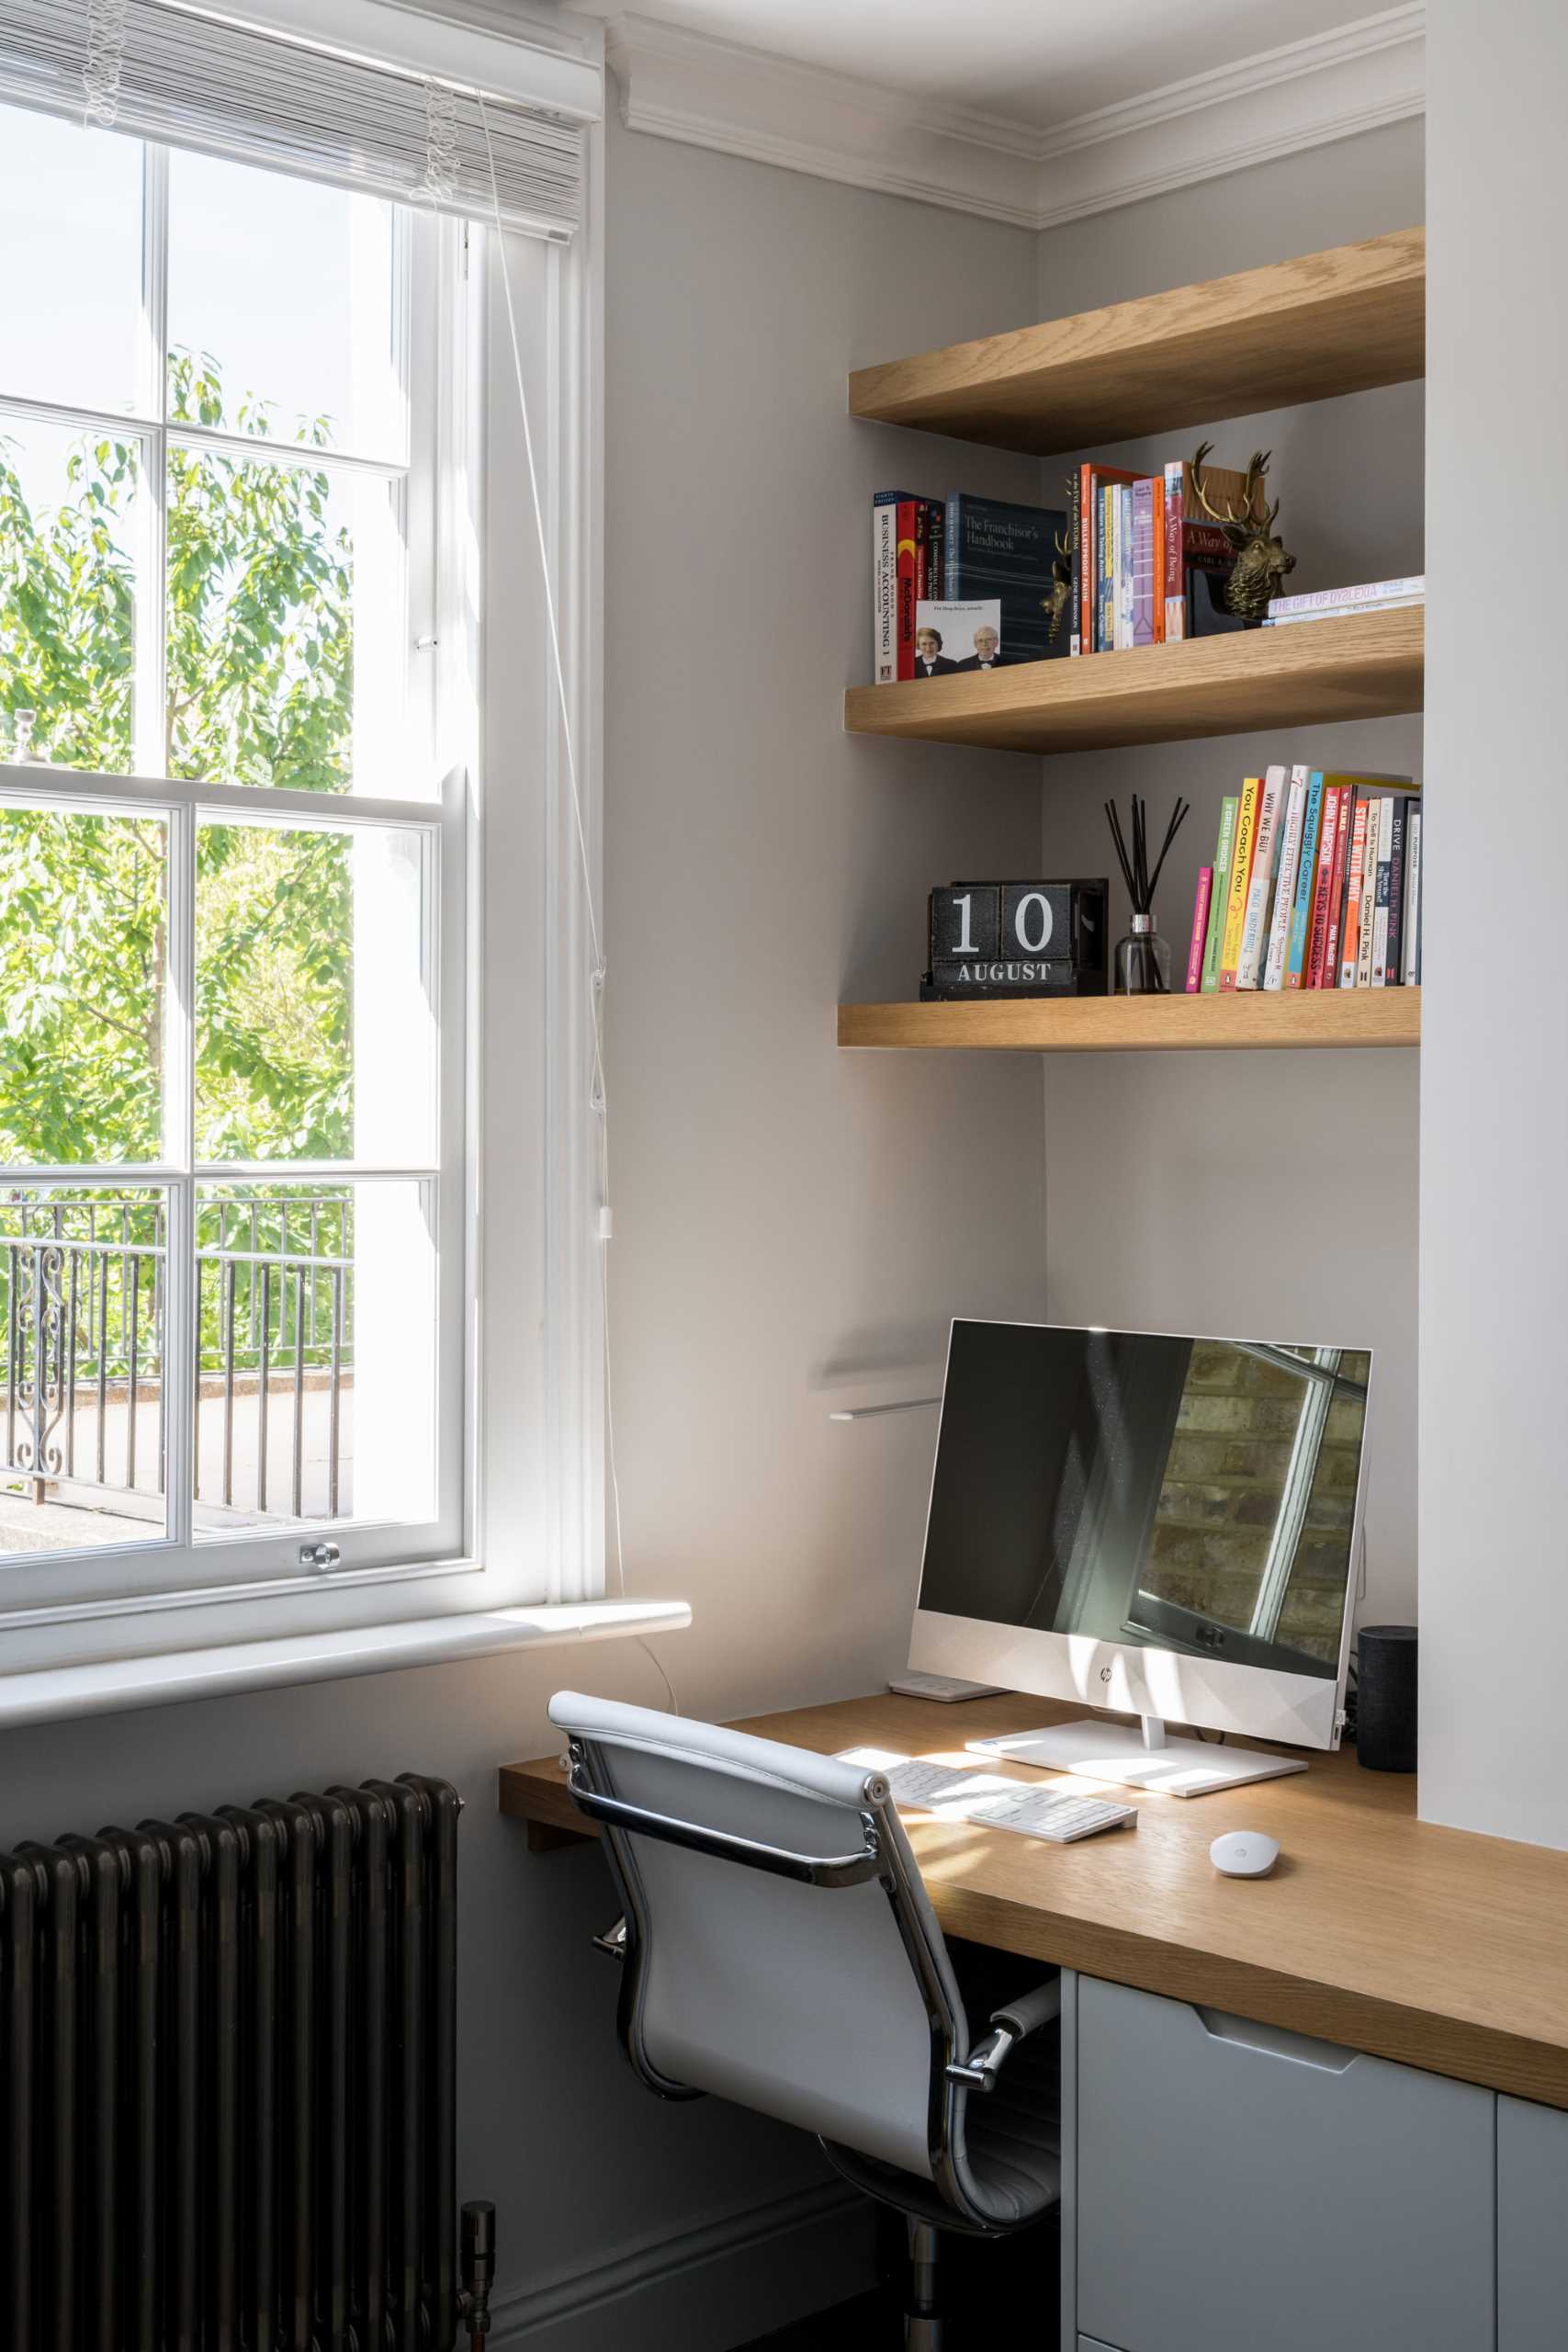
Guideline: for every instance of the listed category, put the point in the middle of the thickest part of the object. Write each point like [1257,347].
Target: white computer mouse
[1244,1853]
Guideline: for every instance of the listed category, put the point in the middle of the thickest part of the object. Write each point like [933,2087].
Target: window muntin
[250,616]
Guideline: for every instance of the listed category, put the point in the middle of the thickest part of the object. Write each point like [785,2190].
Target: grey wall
[1494,1605]
[787,1216]
[789,1221]
[1266,1194]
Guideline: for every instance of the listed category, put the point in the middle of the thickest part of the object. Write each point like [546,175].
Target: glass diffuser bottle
[1143,958]
[1143,961]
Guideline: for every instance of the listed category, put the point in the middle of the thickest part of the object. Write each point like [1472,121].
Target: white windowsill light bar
[55,1694]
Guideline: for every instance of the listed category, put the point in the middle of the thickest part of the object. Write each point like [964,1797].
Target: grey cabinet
[1239,2187]
[1532,2227]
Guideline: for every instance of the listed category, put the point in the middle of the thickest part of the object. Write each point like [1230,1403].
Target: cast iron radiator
[227,2081]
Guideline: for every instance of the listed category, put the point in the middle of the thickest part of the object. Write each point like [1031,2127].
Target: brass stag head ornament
[1261,561]
[1061,597]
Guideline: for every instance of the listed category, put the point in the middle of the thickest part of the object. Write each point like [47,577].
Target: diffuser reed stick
[1142,957]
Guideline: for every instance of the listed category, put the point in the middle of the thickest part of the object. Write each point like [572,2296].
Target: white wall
[790,1222]
[1273,1193]
[1495,1130]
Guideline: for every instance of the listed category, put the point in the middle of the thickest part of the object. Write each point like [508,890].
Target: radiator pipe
[478,2269]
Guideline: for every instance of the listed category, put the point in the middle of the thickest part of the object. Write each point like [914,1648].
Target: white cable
[599,970]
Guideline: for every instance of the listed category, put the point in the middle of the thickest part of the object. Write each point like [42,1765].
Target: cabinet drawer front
[1532,2227]
[1241,2187]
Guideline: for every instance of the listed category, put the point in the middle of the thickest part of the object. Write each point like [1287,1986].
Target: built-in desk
[1376,1931]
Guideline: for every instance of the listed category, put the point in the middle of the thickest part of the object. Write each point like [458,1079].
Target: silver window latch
[319,1555]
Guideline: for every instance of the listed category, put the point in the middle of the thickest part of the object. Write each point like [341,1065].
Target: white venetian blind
[359,111]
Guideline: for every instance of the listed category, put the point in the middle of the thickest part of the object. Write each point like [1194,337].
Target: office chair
[779,1950]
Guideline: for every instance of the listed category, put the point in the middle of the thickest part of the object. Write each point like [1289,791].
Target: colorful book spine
[1142,498]
[1380,894]
[1264,867]
[1201,901]
[1105,626]
[1075,557]
[1237,885]
[1224,850]
[1157,503]
[1285,892]
[1394,966]
[1306,881]
[1175,578]
[908,583]
[1369,894]
[1351,943]
[883,591]
[1123,566]
[936,546]
[1338,892]
[1316,961]
[1414,825]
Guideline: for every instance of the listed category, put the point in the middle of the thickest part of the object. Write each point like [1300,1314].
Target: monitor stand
[1104,1751]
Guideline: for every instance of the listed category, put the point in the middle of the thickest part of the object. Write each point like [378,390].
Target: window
[233,869]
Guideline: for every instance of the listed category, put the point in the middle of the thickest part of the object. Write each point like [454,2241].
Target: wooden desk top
[1433,1947]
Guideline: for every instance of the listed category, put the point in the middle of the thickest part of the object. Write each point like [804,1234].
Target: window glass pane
[289,292]
[316,1379]
[82,949]
[69,539]
[81,1381]
[315,993]
[71,201]
[283,580]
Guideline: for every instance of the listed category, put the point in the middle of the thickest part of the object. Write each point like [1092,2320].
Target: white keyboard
[953,1795]
[947,1688]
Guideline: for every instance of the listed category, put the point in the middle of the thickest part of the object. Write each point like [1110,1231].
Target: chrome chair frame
[881,1857]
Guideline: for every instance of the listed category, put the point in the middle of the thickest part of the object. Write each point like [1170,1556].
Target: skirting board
[712,2287]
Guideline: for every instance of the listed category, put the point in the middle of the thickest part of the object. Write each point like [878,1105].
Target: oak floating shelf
[1364,665]
[1344,320]
[1177,1024]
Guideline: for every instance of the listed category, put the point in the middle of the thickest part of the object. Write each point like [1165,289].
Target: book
[1202,897]
[1384,875]
[1373,592]
[1368,895]
[1410,973]
[1418,896]
[1306,879]
[1142,494]
[1091,481]
[1105,624]
[1323,883]
[885,511]
[1223,853]
[1328,970]
[951,636]
[1350,938]
[993,548]
[1239,878]
[1264,868]
[907,588]
[1157,503]
[1124,566]
[1333,613]
[1393,965]
[1175,583]
[1285,892]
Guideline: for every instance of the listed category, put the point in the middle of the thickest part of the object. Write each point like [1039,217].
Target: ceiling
[1037,61]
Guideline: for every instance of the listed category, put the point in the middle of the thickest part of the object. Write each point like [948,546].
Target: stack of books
[1328,604]
[1316,884]
[1140,543]
[993,558]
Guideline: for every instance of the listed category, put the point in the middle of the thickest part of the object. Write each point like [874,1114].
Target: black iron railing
[83,1304]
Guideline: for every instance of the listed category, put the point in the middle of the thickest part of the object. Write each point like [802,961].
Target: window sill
[55,1694]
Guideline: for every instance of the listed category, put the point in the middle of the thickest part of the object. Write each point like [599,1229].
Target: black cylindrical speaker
[1385,1698]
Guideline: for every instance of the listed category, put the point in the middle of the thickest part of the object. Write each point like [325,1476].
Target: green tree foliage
[260,666]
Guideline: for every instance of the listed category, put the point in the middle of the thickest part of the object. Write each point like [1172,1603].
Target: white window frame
[526,1366]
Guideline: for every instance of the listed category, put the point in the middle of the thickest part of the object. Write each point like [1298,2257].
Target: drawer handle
[1276,2041]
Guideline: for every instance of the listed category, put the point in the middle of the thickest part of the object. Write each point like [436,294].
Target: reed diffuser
[1143,958]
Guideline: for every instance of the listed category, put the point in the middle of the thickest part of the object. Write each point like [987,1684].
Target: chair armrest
[1034,2010]
[1009,2026]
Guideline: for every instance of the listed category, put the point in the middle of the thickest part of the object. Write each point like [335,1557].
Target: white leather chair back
[801,2000]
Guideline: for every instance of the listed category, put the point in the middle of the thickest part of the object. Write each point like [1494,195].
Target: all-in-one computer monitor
[1151,1524]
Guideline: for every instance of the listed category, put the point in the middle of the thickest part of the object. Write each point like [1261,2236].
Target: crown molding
[717,94]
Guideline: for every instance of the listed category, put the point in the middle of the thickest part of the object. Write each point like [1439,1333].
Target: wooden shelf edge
[1321,324]
[1300,1020]
[1357,665]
